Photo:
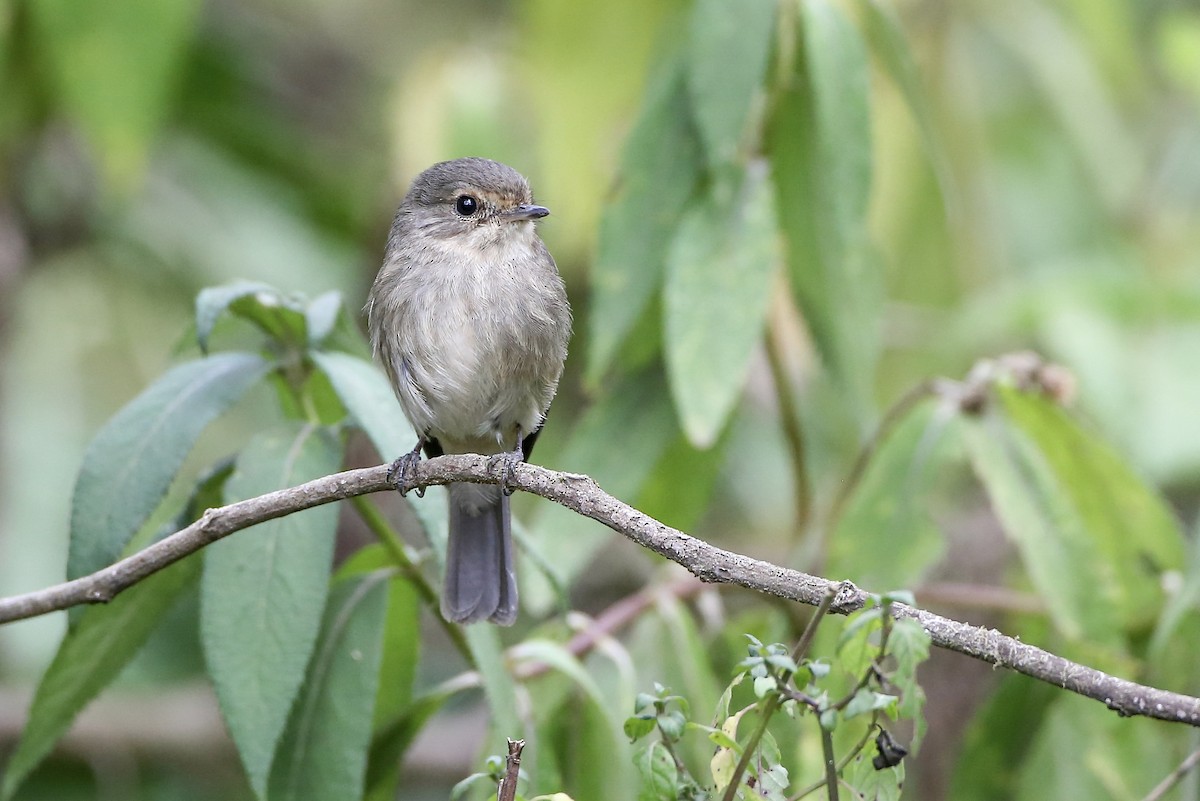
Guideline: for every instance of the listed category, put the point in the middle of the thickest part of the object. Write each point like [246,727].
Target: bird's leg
[400,473]
[508,461]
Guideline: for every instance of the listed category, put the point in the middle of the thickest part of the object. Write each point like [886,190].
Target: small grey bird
[470,319]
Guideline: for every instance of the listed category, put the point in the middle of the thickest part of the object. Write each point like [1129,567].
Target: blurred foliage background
[1041,190]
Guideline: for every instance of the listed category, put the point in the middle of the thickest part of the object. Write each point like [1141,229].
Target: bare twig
[582,495]
[1174,776]
[512,769]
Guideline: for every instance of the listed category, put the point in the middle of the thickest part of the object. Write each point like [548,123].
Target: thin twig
[765,712]
[830,759]
[403,558]
[810,631]
[1174,777]
[512,770]
[581,495]
[793,432]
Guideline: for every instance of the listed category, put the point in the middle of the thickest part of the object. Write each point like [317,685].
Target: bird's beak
[526,211]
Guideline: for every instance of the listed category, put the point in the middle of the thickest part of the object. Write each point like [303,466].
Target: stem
[831,767]
[855,751]
[810,631]
[507,791]
[1173,777]
[403,557]
[768,709]
[891,418]
[793,432]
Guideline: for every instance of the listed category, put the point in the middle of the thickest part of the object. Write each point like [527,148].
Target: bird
[470,320]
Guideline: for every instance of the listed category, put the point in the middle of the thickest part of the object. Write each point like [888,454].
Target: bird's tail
[481,581]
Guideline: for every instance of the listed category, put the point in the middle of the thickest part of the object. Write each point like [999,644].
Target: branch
[582,495]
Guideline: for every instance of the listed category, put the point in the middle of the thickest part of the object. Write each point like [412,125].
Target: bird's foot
[507,461]
[400,474]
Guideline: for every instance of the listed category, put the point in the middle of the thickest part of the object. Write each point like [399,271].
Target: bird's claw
[400,474]
[508,461]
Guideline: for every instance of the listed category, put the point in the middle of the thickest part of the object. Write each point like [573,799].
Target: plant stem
[768,709]
[831,767]
[793,432]
[402,555]
[891,418]
[810,631]
[855,751]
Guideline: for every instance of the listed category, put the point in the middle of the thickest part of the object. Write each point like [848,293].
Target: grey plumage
[470,319]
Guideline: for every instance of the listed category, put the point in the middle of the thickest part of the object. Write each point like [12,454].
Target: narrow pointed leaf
[102,643]
[729,47]
[263,593]
[820,148]
[323,756]
[132,461]
[368,396]
[659,171]
[720,270]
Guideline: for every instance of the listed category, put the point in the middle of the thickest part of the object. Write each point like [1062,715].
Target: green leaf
[1001,736]
[865,701]
[660,777]
[401,650]
[92,654]
[1083,751]
[114,78]
[130,464]
[498,684]
[282,317]
[720,270]
[1128,523]
[728,51]
[1092,537]
[321,316]
[263,593]
[659,170]
[366,393]
[214,301]
[323,755]
[908,645]
[820,148]
[637,727]
[889,44]
[885,536]
[392,741]
[104,641]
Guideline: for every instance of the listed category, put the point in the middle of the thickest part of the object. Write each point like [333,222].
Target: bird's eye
[466,205]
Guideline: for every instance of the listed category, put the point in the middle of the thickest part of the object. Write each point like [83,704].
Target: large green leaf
[890,46]
[323,755]
[1057,552]
[729,47]
[886,538]
[130,464]
[368,396]
[498,684]
[820,147]
[285,318]
[720,270]
[92,654]
[1129,526]
[1094,538]
[659,170]
[1084,752]
[106,638]
[263,593]
[114,66]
